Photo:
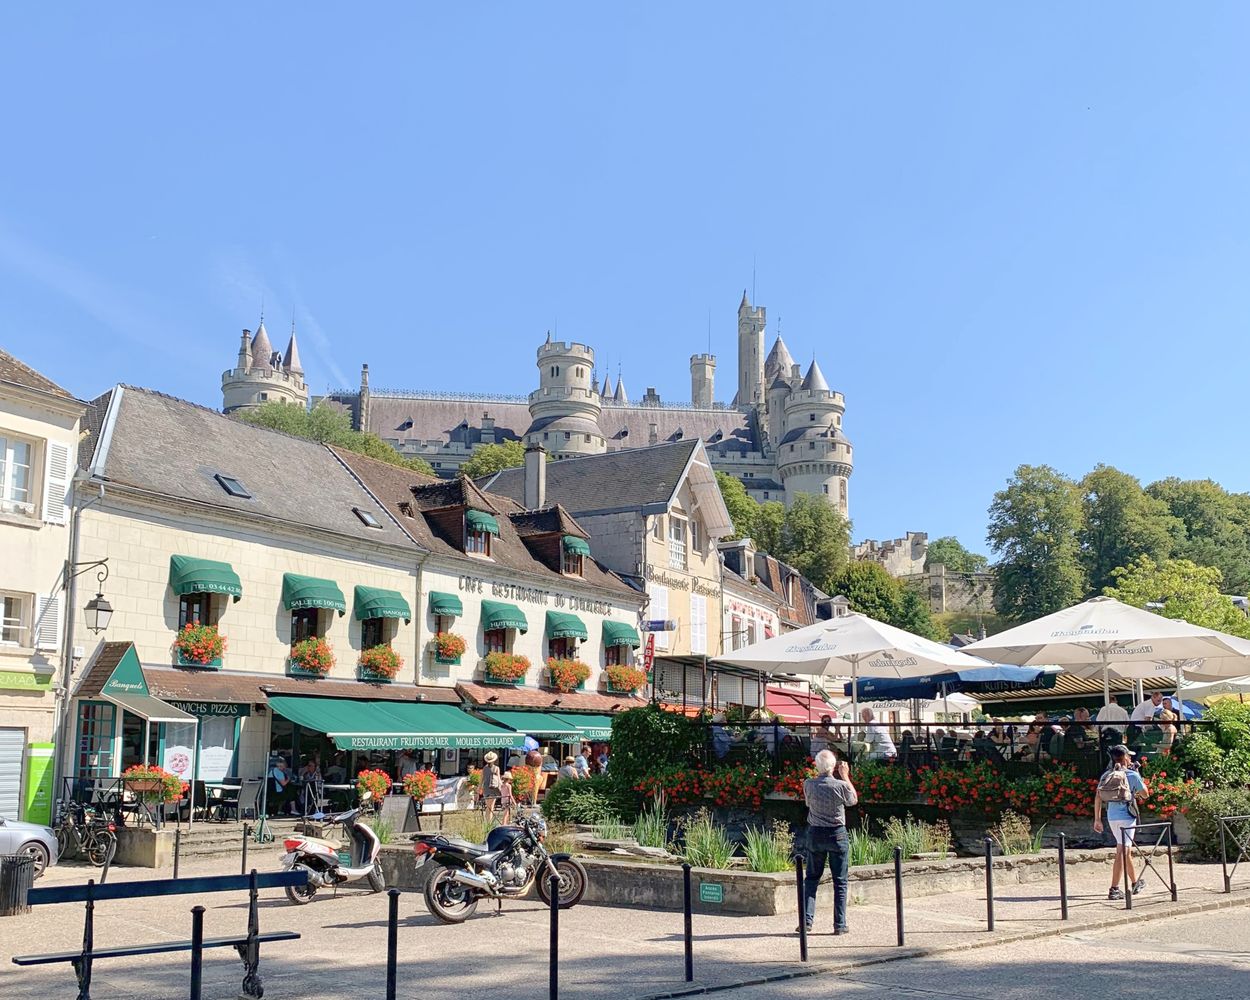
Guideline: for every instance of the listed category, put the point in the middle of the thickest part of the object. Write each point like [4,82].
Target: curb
[1125,917]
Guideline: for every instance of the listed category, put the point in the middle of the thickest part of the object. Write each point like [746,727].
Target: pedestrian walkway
[606,952]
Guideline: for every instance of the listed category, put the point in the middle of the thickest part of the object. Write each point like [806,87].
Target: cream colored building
[38,445]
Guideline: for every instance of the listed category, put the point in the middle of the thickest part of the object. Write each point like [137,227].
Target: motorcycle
[320,858]
[512,859]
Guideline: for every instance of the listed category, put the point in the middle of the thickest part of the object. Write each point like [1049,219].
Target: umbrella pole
[946,709]
[1106,680]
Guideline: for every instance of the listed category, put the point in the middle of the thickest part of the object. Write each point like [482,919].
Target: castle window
[588,439]
[264,395]
[766,494]
[811,445]
[568,436]
[811,417]
[826,487]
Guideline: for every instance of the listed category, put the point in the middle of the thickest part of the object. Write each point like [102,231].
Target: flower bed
[448,647]
[199,645]
[567,675]
[380,662]
[312,656]
[505,668]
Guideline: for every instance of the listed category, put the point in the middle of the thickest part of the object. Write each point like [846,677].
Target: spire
[746,303]
[620,396]
[815,378]
[262,350]
[778,362]
[290,361]
[607,388]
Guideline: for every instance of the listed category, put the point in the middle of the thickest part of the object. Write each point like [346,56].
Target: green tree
[770,522]
[742,508]
[873,592]
[1121,522]
[1184,589]
[329,425]
[950,553]
[491,458]
[1033,529]
[1215,527]
[815,539]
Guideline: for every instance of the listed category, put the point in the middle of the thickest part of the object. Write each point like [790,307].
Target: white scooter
[320,858]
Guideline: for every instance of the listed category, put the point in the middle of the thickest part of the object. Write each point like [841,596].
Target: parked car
[28,838]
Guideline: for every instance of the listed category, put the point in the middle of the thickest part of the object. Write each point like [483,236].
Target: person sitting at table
[722,739]
[336,773]
[281,788]
[880,746]
[408,763]
[311,771]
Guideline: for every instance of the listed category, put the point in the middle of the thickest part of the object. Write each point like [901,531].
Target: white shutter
[658,611]
[47,627]
[698,624]
[56,483]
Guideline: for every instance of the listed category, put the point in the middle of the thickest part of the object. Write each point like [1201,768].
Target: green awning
[189,575]
[576,545]
[534,723]
[498,614]
[299,592]
[479,520]
[593,727]
[620,634]
[394,725]
[562,625]
[375,602]
[442,603]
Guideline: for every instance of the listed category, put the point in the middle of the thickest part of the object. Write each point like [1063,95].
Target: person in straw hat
[491,784]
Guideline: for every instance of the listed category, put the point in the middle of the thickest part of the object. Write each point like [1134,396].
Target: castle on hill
[781,435]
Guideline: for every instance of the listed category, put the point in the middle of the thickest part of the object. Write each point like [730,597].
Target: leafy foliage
[742,509]
[950,553]
[198,643]
[873,592]
[1120,523]
[491,458]
[1184,589]
[651,826]
[1204,819]
[1215,527]
[649,740]
[329,425]
[381,661]
[770,850]
[596,799]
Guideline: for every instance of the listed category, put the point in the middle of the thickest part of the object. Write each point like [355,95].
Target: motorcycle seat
[467,845]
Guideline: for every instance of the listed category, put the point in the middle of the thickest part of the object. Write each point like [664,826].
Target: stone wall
[947,590]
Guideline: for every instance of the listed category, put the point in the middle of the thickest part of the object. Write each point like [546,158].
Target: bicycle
[79,834]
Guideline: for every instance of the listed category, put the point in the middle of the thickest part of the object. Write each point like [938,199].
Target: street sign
[711,892]
[659,625]
[648,656]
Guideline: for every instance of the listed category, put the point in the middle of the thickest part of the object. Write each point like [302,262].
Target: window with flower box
[197,608]
[377,632]
[562,649]
[496,640]
[617,656]
[307,623]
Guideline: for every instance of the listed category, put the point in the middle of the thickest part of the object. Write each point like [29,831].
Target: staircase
[218,840]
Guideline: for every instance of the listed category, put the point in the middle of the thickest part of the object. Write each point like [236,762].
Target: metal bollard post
[1128,883]
[689,924]
[392,942]
[798,886]
[1063,876]
[247,833]
[1171,872]
[83,967]
[989,884]
[553,971]
[898,892]
[197,951]
[1228,884]
[177,848]
[108,861]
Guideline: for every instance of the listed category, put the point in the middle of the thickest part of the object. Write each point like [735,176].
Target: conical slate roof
[778,361]
[745,301]
[607,388]
[291,361]
[262,350]
[620,395]
[815,379]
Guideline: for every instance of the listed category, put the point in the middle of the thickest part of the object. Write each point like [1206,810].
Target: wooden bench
[247,945]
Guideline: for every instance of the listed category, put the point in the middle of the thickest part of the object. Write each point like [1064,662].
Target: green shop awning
[620,634]
[499,614]
[189,575]
[479,520]
[592,727]
[442,603]
[562,625]
[394,725]
[576,545]
[300,592]
[534,723]
[375,602]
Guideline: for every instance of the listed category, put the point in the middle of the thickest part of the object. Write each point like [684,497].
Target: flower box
[374,676]
[567,675]
[294,669]
[198,645]
[448,647]
[501,682]
[185,661]
[624,679]
[380,664]
[440,658]
[142,785]
[508,669]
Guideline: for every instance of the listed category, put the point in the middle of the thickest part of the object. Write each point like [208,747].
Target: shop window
[15,620]
[307,623]
[676,543]
[562,649]
[197,608]
[617,656]
[495,640]
[95,739]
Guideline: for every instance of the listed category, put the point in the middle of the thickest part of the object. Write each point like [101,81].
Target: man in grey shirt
[827,795]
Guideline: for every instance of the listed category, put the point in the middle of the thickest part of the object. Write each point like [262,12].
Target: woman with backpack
[1118,790]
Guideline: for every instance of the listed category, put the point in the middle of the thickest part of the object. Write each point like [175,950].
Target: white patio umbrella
[1232,687]
[851,646]
[1112,636]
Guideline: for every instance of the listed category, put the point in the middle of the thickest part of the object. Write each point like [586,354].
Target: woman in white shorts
[1121,817]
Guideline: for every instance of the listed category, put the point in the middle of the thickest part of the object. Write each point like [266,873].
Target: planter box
[453,660]
[550,685]
[295,670]
[144,847]
[214,664]
[374,678]
[613,689]
[500,682]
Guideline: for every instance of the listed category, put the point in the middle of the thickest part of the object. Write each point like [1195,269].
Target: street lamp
[98,609]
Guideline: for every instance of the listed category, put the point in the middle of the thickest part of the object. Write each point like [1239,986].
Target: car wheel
[37,851]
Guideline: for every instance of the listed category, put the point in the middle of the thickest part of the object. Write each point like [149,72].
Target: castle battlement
[572,349]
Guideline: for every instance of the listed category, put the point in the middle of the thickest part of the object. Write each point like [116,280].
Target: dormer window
[479,527]
[573,553]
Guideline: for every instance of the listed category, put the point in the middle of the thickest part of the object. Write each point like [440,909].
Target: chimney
[488,429]
[535,477]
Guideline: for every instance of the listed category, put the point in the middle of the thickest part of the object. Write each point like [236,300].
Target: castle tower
[261,375]
[702,380]
[564,410]
[750,354]
[813,455]
[775,426]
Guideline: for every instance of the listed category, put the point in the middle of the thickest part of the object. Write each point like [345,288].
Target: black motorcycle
[512,859]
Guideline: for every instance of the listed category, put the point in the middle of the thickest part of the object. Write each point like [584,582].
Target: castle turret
[775,427]
[813,455]
[778,362]
[751,321]
[564,411]
[257,379]
[702,380]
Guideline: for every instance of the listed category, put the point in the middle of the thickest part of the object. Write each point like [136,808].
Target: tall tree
[1216,527]
[770,522]
[1121,522]
[949,552]
[329,425]
[815,539]
[1184,589]
[491,458]
[873,592]
[741,506]
[1033,529]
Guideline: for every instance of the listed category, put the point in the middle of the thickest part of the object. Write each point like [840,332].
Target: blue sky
[1009,235]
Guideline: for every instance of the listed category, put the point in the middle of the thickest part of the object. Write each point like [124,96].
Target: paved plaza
[616,952]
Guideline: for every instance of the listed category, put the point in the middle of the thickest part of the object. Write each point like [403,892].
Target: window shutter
[47,627]
[56,484]
[698,624]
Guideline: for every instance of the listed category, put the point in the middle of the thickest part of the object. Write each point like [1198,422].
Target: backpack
[1113,787]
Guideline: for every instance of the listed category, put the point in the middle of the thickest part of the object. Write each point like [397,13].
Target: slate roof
[169,446]
[394,487]
[459,492]
[498,696]
[616,480]
[548,521]
[21,374]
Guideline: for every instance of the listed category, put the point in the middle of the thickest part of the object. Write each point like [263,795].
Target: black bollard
[898,893]
[1228,882]
[989,884]
[689,928]
[1171,873]
[392,942]
[1063,876]
[247,831]
[553,971]
[88,945]
[108,861]
[177,849]
[798,883]
[197,951]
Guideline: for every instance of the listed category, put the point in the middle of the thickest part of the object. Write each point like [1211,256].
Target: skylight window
[233,486]
[367,519]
